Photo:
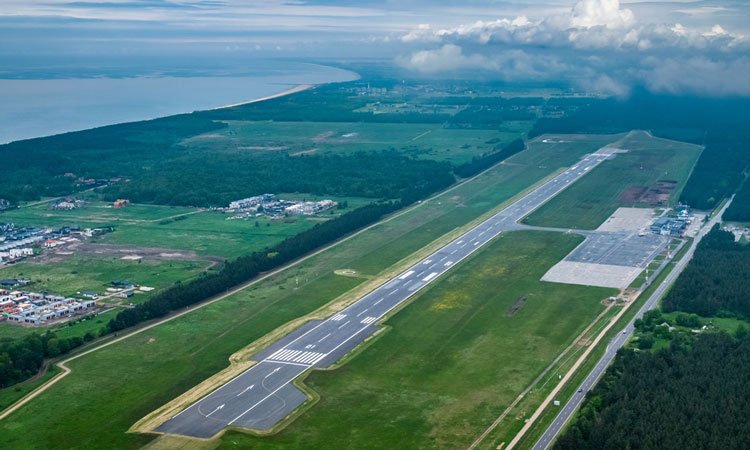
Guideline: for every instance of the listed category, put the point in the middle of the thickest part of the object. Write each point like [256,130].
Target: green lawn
[454,358]
[208,233]
[115,387]
[430,141]
[593,198]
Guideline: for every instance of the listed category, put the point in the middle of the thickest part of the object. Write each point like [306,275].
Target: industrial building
[670,226]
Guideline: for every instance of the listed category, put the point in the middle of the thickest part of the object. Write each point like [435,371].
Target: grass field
[507,431]
[13,394]
[594,197]
[115,387]
[205,232]
[95,274]
[430,141]
[454,358]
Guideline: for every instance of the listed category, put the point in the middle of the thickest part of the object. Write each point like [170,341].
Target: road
[261,396]
[575,401]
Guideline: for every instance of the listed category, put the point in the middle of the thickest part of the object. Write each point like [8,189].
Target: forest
[716,281]
[37,167]
[218,180]
[739,210]
[693,394]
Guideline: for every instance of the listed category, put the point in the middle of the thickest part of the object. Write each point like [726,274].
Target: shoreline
[294,90]
[67,126]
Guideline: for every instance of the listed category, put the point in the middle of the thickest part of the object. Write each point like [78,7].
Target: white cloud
[603,46]
[447,58]
[590,24]
[594,13]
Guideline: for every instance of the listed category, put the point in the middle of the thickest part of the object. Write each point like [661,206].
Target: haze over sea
[41,107]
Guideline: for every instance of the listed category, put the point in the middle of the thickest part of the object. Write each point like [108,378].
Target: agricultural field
[651,173]
[428,141]
[453,359]
[207,233]
[118,385]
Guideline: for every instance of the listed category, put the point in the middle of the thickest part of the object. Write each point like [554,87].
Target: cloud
[597,45]
[607,13]
[604,85]
[699,75]
[447,58]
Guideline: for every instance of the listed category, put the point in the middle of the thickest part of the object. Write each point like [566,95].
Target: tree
[645,342]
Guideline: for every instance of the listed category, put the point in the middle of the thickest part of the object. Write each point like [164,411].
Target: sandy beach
[300,88]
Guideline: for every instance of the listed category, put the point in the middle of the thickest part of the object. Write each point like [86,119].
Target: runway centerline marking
[219,408]
[246,389]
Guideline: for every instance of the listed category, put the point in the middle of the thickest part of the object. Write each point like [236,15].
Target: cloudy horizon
[604,46]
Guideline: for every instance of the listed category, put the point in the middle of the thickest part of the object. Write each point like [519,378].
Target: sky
[605,46]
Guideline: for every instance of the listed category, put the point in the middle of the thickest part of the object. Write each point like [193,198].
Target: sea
[41,107]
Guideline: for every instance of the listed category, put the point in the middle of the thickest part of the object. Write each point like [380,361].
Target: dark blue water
[33,108]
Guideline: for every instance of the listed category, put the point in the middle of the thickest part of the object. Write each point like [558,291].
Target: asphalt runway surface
[262,395]
[618,341]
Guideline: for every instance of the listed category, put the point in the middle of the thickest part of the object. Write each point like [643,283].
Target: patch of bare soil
[305,152]
[266,148]
[125,252]
[632,194]
[323,136]
[659,192]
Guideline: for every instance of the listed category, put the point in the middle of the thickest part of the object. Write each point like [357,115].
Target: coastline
[109,101]
[294,90]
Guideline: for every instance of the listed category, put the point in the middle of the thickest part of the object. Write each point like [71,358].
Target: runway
[263,395]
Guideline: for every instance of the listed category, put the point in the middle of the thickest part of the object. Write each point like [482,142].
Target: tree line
[693,394]
[716,281]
